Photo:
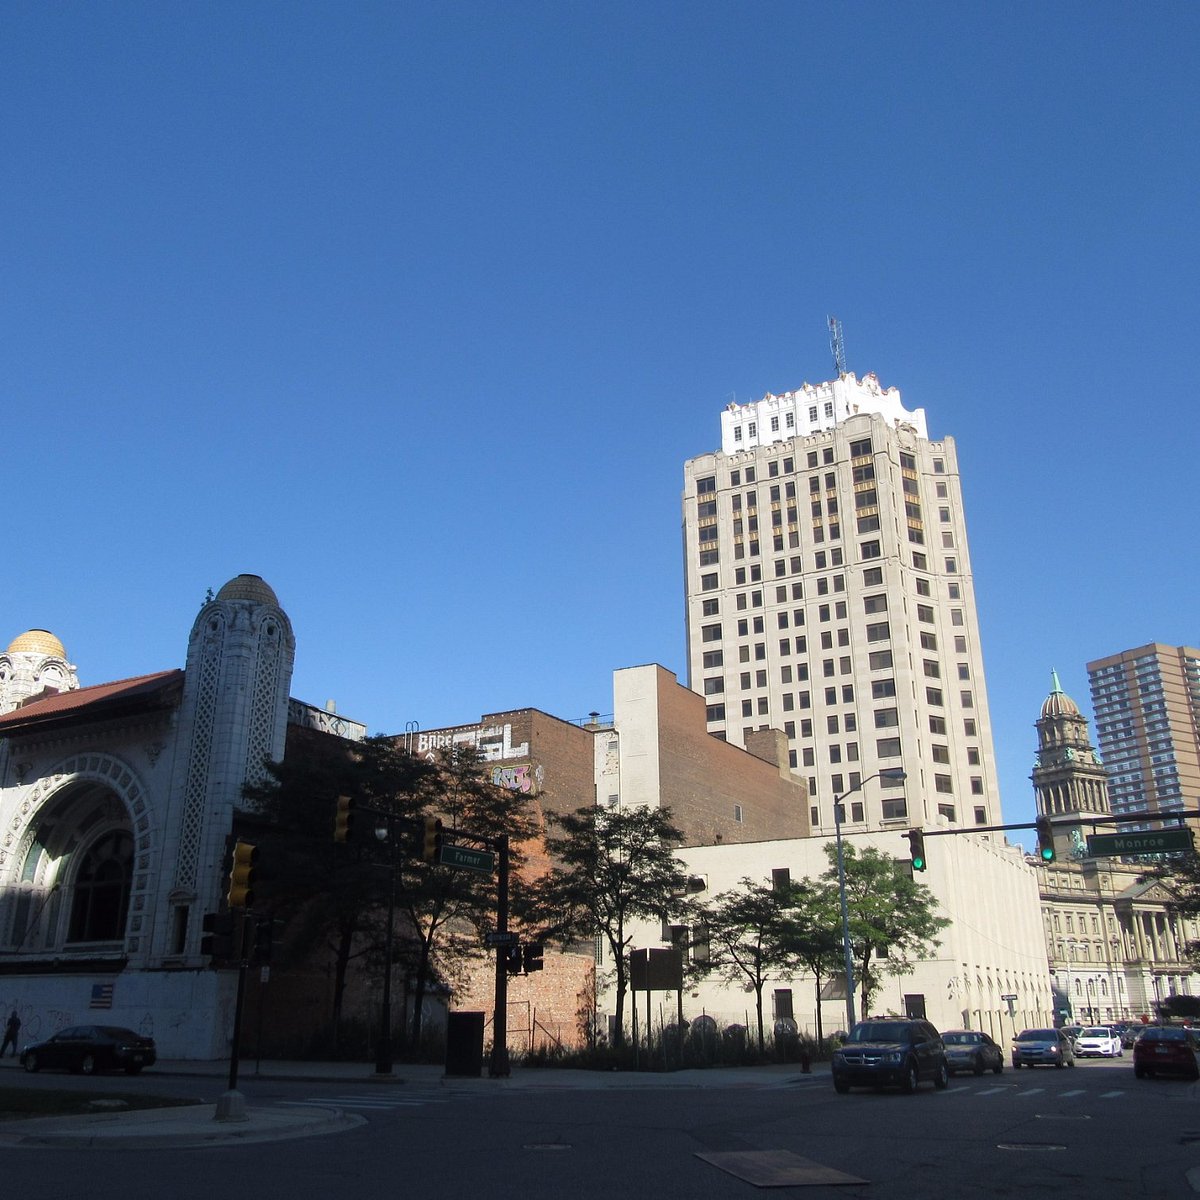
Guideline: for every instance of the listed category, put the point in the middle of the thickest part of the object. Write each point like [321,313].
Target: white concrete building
[830,595]
[993,948]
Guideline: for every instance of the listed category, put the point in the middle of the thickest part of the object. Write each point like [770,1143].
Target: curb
[161,1129]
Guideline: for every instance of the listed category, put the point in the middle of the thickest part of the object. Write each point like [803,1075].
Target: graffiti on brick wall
[520,779]
[494,742]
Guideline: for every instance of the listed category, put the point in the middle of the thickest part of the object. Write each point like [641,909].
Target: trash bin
[464,1043]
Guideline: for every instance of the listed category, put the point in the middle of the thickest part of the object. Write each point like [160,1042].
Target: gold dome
[38,641]
[249,587]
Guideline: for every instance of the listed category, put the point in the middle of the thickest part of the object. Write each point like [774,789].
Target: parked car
[1132,1034]
[91,1048]
[890,1052]
[1049,1047]
[970,1050]
[1166,1049]
[1098,1041]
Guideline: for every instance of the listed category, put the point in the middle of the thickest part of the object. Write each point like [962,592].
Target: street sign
[1012,997]
[496,938]
[467,858]
[1152,841]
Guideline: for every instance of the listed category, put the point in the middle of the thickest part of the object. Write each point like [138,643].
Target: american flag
[101,995]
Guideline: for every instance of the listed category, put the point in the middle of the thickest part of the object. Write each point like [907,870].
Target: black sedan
[970,1050]
[91,1048]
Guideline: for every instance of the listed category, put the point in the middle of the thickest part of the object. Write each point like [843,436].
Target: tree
[448,909]
[330,895]
[752,935]
[612,866]
[339,893]
[817,938]
[891,916]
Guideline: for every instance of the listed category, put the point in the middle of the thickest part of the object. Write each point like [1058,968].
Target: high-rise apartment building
[830,595]
[1147,708]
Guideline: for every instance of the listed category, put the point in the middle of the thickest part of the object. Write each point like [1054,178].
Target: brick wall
[705,781]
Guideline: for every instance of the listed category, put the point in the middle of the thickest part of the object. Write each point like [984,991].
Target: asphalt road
[1094,1131]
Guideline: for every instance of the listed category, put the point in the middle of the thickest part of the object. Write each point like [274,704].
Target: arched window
[100,899]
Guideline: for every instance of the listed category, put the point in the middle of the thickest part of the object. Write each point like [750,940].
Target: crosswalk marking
[370,1102]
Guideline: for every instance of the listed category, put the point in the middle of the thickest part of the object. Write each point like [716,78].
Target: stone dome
[1058,703]
[249,587]
[38,641]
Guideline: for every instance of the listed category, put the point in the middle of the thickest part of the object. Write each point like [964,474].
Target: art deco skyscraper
[1147,706]
[830,595]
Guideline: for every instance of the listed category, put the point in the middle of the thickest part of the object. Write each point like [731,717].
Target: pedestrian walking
[11,1030]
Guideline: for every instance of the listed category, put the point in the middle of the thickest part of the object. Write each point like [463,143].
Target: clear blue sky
[417,310]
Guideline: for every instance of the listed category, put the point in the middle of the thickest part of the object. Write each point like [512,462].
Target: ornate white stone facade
[116,802]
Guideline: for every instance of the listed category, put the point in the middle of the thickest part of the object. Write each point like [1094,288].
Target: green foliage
[613,866]
[334,898]
[1179,1006]
[752,936]
[888,911]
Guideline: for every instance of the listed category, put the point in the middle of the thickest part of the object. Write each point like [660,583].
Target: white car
[1098,1041]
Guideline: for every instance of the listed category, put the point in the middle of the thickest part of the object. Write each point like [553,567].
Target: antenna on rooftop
[837,346]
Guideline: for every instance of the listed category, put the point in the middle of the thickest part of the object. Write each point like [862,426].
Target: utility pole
[498,1068]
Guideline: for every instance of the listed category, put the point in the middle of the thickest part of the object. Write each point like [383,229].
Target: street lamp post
[896,774]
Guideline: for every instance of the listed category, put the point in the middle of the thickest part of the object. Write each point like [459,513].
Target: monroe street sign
[1152,841]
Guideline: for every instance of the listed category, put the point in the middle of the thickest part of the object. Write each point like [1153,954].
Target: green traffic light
[918,863]
[1047,854]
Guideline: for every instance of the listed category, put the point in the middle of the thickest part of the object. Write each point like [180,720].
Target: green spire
[1055,685]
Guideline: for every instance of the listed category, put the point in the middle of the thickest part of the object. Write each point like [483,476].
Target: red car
[1165,1049]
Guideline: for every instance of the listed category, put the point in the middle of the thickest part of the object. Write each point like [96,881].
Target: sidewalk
[194,1125]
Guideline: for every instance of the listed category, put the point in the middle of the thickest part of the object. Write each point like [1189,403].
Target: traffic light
[431,840]
[241,875]
[531,957]
[217,939]
[1045,836]
[512,959]
[343,821]
[916,848]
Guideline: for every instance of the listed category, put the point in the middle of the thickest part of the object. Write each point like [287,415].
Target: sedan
[1051,1047]
[1098,1041]
[970,1050]
[1166,1049]
[91,1048]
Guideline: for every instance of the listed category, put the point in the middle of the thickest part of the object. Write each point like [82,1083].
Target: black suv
[890,1052]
